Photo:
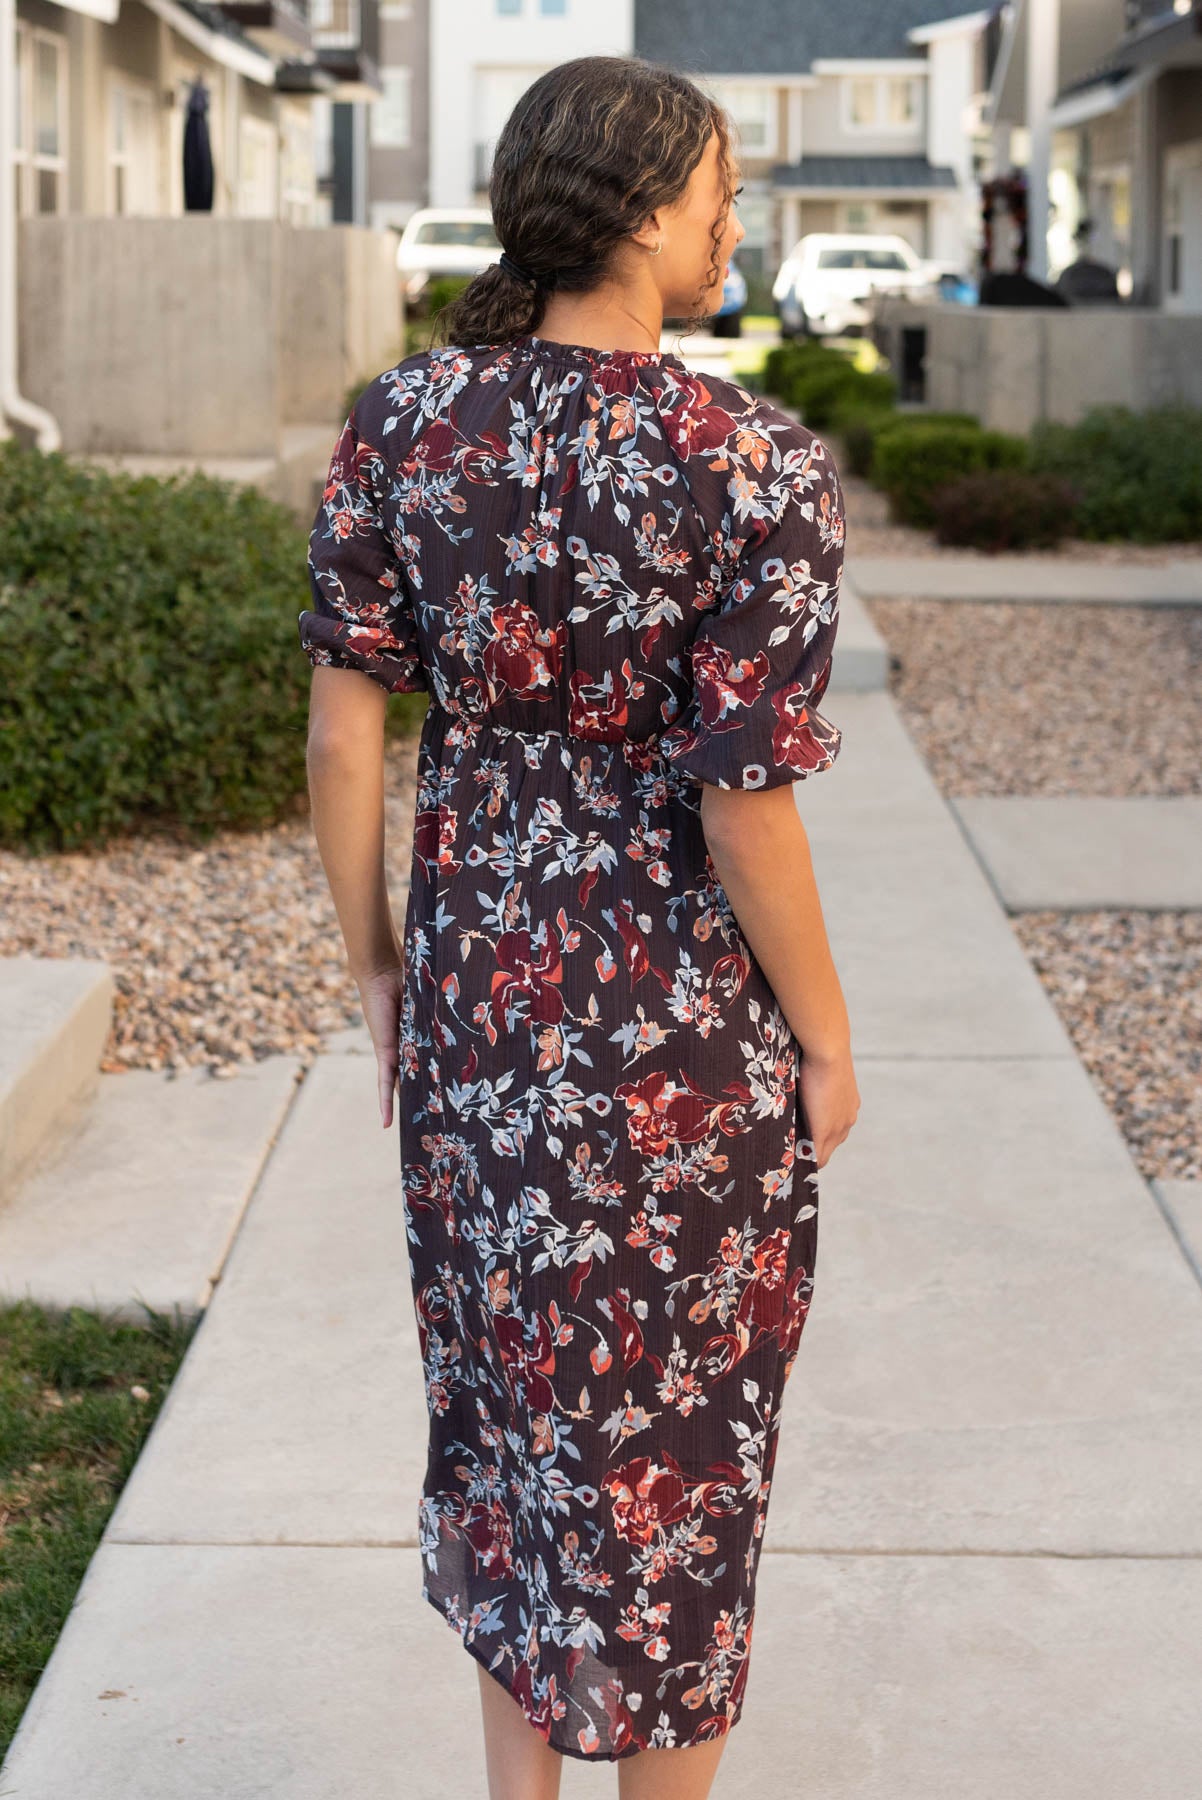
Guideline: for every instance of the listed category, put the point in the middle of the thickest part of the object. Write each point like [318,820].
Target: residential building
[398,176]
[101,91]
[483,56]
[860,116]
[1124,123]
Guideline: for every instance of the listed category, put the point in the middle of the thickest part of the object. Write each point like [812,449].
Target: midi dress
[617,579]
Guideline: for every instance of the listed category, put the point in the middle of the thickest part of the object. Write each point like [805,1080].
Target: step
[55,1015]
[141,1198]
[1079,852]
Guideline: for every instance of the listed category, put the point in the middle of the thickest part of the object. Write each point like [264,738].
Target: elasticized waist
[467,725]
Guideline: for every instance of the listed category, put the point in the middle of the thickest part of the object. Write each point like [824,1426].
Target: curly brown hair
[591,149]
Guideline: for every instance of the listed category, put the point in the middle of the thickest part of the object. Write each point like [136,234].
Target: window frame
[28,162]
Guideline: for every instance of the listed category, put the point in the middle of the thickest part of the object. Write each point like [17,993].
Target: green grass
[78,1396]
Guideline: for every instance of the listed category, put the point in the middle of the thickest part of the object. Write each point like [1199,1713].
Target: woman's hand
[830,1100]
[380,996]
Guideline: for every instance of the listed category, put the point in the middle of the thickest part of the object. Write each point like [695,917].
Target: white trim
[1096,102]
[805,190]
[866,65]
[239,57]
[107,11]
[945,28]
[794,124]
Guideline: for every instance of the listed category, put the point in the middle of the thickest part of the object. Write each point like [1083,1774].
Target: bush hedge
[1004,509]
[859,432]
[152,670]
[914,457]
[1137,475]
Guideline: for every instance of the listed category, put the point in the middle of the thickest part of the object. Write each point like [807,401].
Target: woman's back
[537,532]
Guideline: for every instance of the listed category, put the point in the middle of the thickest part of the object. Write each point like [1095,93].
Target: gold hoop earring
[658,248]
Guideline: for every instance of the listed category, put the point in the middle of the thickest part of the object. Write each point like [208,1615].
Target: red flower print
[489,1530]
[647,1498]
[523,656]
[527,1364]
[530,969]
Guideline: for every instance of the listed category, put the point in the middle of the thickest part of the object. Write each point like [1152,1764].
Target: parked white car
[824,286]
[444,240]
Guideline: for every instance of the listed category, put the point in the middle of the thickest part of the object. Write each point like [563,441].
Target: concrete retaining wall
[1011,367]
[199,335]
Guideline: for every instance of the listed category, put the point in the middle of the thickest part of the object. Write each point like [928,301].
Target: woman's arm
[345,762]
[759,846]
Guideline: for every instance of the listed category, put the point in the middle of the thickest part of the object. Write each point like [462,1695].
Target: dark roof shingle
[780,37]
[863,172]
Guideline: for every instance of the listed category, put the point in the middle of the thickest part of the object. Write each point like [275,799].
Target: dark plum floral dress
[617,579]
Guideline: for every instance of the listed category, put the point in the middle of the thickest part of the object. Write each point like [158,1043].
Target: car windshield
[861,258]
[469,234]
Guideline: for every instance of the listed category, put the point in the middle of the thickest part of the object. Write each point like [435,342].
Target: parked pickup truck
[825,285]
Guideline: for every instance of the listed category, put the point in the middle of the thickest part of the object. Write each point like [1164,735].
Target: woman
[618,583]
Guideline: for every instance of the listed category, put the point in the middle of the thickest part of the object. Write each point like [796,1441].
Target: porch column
[1043,80]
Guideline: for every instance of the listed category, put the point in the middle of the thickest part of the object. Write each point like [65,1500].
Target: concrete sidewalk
[982,1570]
[1048,580]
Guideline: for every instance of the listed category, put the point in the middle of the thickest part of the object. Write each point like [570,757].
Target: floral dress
[617,579]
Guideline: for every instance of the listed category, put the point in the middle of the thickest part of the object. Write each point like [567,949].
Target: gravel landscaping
[220,954]
[1017,699]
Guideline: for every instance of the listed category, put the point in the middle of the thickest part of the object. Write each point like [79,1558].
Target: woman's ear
[649,234]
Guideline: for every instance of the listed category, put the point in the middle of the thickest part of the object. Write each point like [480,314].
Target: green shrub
[859,432]
[823,395]
[785,362]
[152,670]
[866,393]
[1137,475]
[913,458]
[1004,509]
[441,290]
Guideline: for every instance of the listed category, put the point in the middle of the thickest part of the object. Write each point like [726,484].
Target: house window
[901,101]
[882,103]
[390,114]
[509,8]
[133,152]
[296,166]
[554,9]
[863,101]
[258,155]
[39,146]
[752,109]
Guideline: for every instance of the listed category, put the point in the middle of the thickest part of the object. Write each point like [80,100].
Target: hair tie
[518,269]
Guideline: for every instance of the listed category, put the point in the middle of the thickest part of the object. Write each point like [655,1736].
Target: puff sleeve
[761,660]
[362,615]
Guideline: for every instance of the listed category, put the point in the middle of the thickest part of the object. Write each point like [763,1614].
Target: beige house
[1124,121]
[102,98]
[851,117]
[139,321]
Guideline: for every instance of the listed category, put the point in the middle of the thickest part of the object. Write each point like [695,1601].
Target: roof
[781,37]
[862,172]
